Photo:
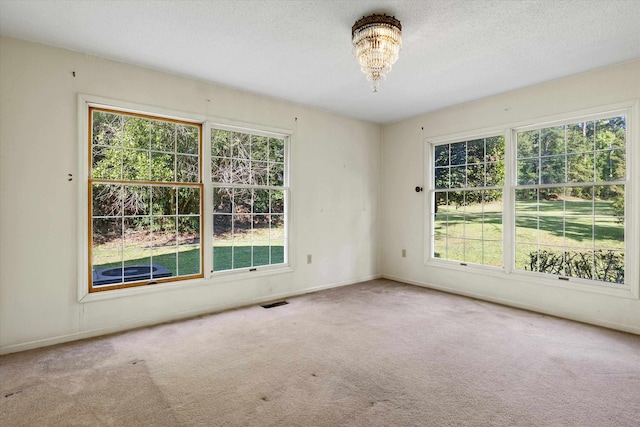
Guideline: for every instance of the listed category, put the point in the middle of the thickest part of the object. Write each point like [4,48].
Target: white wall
[403,208]
[336,192]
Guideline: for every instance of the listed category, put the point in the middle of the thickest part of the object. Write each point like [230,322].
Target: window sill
[215,278]
[621,291]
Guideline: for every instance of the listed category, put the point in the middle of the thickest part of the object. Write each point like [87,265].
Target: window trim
[631,289]
[84,101]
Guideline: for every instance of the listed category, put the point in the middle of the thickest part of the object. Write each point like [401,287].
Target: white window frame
[84,102]
[631,288]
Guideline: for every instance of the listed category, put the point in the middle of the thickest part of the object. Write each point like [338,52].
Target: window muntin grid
[468,177]
[145,200]
[248,173]
[569,200]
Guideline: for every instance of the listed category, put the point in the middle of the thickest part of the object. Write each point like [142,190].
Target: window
[145,199]
[567,194]
[249,176]
[570,197]
[468,177]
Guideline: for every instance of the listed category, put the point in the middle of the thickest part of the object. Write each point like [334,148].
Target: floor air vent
[275,304]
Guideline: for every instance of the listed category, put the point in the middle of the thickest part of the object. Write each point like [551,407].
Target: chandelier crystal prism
[376,41]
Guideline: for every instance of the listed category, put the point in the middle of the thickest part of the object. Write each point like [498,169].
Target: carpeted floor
[378,353]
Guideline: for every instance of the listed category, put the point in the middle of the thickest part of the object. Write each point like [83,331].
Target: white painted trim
[181,315]
[633,329]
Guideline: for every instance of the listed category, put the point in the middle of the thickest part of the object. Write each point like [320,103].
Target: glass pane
[610,133]
[135,165]
[136,200]
[136,132]
[609,266]
[162,167]
[222,258]
[222,198]
[495,174]
[189,201]
[188,230]
[261,225]
[494,149]
[277,253]
[106,199]
[260,201]
[551,229]
[609,200]
[492,253]
[188,260]
[528,172]
[106,128]
[552,141]
[473,201]
[608,233]
[164,231]
[442,177]
[577,141]
[579,263]
[259,148]
[106,163]
[242,200]
[276,174]
[164,262]
[164,200]
[551,260]
[473,226]
[276,229]
[458,153]
[579,201]
[551,201]
[163,136]
[241,171]
[527,201]
[492,201]
[458,176]
[276,150]
[242,256]
[455,249]
[107,237]
[221,170]
[527,229]
[277,201]
[222,228]
[188,168]
[580,167]
[220,143]
[259,173]
[440,244]
[528,144]
[136,249]
[261,253]
[242,228]
[475,151]
[440,199]
[240,145]
[441,155]
[552,170]
[455,202]
[473,251]
[188,139]
[455,225]
[610,165]
[526,257]
[492,227]
[475,175]
[578,231]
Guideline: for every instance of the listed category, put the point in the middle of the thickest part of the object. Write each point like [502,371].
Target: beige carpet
[378,353]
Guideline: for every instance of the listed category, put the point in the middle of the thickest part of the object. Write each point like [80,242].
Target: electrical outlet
[309,259]
[404,253]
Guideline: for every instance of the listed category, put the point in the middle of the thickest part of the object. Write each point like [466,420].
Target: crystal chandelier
[376,42]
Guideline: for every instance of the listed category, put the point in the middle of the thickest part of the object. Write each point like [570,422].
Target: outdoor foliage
[603,265]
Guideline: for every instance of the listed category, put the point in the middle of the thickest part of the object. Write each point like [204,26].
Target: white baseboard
[583,319]
[125,326]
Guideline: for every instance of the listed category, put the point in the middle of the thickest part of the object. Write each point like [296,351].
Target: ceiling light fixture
[376,42]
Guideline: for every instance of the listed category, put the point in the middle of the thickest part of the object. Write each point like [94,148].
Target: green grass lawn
[474,233]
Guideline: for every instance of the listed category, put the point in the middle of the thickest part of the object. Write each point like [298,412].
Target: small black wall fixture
[418,189]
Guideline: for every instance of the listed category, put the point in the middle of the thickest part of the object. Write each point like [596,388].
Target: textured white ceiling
[453,50]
